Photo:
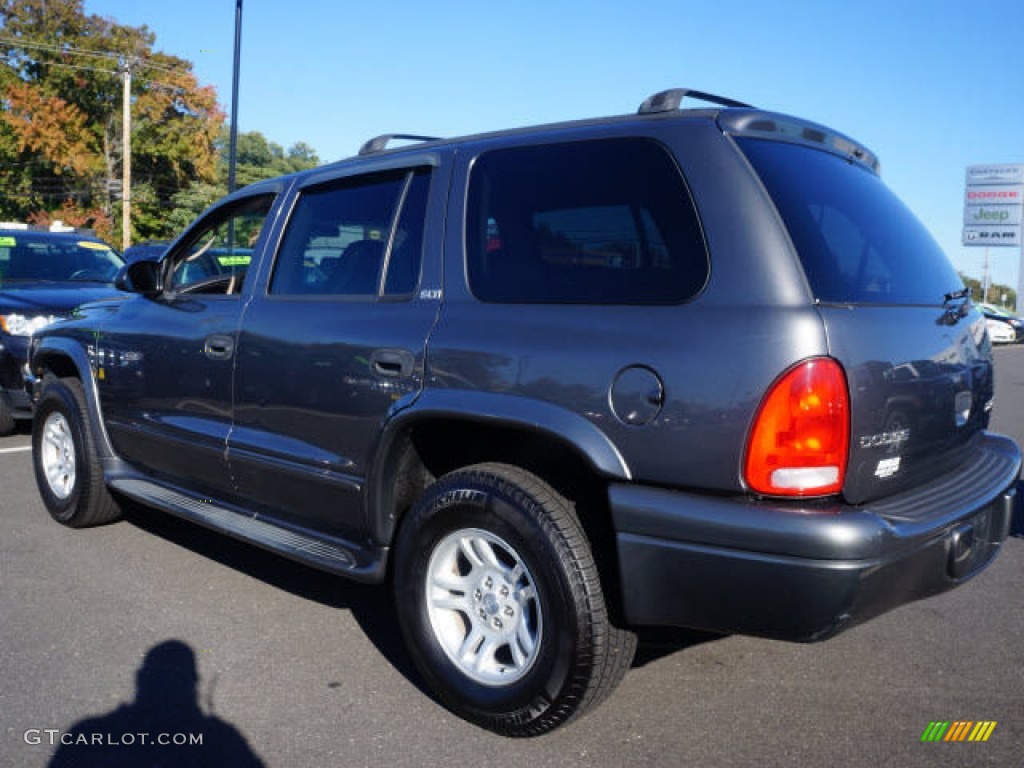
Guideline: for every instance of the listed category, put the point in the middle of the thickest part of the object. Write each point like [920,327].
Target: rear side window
[859,244]
[597,222]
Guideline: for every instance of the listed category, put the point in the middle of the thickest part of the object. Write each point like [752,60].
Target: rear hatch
[916,355]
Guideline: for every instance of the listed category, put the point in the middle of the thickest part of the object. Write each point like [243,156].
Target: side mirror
[140,277]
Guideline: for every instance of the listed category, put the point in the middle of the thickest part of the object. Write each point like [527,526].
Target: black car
[44,275]
[688,367]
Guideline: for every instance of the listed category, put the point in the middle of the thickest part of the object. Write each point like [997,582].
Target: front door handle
[394,363]
[219,346]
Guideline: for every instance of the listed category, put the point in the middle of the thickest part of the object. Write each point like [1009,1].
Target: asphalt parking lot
[295,668]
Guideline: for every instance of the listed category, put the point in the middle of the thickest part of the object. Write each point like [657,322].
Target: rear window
[597,222]
[859,244]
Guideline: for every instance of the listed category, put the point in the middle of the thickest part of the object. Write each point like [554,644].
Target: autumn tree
[61,148]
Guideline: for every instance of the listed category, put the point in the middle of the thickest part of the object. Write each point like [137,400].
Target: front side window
[215,258]
[358,236]
[602,222]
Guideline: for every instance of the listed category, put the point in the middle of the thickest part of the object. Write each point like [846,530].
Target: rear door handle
[394,363]
[219,346]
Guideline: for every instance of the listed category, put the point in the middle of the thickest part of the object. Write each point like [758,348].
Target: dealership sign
[994,204]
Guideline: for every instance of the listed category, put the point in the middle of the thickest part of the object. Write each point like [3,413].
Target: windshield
[38,257]
[859,244]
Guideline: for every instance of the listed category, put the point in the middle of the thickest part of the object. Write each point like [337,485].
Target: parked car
[996,316]
[1000,331]
[689,367]
[148,249]
[44,275]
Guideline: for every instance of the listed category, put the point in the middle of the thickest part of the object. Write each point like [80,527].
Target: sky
[931,86]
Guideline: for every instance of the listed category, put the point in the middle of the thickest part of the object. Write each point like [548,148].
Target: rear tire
[500,602]
[64,457]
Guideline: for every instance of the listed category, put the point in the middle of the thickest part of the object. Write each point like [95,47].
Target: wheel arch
[66,358]
[445,431]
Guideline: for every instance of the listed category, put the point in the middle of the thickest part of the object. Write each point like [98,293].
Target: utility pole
[986,283]
[126,156]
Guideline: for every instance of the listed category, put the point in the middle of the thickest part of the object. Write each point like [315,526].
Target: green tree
[256,159]
[995,292]
[61,117]
[187,204]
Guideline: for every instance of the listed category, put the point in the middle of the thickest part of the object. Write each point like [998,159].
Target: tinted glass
[55,258]
[602,222]
[217,254]
[857,241]
[337,237]
[407,251]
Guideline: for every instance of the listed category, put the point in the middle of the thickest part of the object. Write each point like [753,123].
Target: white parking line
[19,449]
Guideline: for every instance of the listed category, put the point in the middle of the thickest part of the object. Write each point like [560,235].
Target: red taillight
[800,440]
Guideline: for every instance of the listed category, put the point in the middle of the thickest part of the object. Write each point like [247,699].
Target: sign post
[994,211]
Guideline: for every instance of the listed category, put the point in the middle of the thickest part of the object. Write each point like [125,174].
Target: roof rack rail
[669,101]
[380,143]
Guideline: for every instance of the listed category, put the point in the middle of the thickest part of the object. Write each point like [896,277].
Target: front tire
[65,460]
[500,602]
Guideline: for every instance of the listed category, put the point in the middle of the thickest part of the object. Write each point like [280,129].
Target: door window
[215,258]
[358,236]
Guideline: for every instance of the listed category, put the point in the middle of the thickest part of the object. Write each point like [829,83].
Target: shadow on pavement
[164,725]
[657,643]
[371,606]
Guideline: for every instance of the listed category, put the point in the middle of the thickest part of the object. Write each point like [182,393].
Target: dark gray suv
[697,368]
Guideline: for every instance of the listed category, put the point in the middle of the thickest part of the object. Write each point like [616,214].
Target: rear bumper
[807,572]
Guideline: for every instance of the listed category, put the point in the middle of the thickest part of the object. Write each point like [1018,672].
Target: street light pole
[233,146]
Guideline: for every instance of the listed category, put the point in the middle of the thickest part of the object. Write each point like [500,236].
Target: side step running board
[329,554]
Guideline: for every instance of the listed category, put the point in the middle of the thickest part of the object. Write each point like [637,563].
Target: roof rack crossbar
[380,143]
[669,101]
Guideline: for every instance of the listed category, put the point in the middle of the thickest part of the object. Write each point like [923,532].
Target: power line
[115,59]
[70,66]
[115,72]
[109,55]
[15,42]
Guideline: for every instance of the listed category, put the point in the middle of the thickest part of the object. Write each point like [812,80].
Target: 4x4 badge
[887,467]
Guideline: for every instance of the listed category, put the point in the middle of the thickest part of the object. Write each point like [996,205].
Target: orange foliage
[51,127]
[75,216]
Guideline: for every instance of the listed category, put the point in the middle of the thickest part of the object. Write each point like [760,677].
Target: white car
[1004,316]
[1000,332]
